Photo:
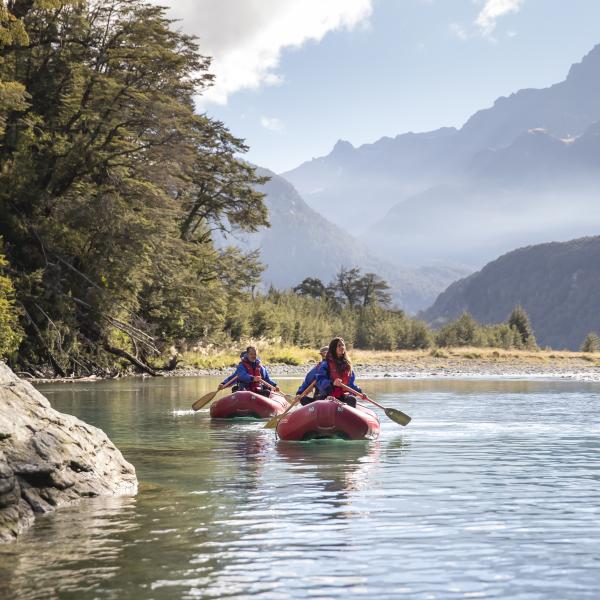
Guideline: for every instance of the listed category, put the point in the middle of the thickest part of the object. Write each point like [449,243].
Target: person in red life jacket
[310,377]
[336,369]
[250,373]
[227,379]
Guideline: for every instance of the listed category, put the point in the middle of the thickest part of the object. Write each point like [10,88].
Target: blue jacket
[325,383]
[244,378]
[310,377]
[228,378]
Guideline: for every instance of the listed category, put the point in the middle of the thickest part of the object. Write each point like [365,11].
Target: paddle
[395,415]
[202,402]
[288,397]
[273,421]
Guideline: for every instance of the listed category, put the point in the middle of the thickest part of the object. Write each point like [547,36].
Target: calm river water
[492,491]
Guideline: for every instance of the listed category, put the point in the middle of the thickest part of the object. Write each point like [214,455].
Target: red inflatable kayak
[328,418]
[248,404]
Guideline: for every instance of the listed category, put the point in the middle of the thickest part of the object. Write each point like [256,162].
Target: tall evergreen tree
[519,320]
[311,287]
[374,290]
[347,284]
[591,343]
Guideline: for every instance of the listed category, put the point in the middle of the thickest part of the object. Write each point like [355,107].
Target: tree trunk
[132,359]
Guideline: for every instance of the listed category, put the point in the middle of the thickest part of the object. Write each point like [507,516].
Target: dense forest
[111,185]
[111,188]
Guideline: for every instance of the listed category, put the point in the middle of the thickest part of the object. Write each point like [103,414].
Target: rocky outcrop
[49,459]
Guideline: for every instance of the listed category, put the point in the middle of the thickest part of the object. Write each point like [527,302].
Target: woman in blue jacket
[250,373]
[334,370]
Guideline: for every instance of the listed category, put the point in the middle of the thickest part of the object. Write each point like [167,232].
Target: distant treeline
[309,320]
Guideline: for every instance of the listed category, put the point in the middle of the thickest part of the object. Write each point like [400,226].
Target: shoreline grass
[295,356]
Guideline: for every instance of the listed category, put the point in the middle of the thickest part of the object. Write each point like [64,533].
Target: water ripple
[491,492]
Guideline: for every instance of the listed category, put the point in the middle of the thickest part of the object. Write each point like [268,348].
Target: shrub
[11,333]
[463,332]
[438,353]
[591,343]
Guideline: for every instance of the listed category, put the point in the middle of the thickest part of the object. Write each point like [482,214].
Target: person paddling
[228,379]
[334,370]
[250,373]
[310,377]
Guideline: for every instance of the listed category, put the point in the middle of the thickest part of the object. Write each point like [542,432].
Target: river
[492,491]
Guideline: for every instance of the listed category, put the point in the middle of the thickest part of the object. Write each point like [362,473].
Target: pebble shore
[566,366]
[453,367]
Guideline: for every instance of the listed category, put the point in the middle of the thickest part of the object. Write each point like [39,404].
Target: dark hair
[342,364]
[251,348]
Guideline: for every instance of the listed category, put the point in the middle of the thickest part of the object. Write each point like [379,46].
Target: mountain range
[302,243]
[558,284]
[520,172]
[424,209]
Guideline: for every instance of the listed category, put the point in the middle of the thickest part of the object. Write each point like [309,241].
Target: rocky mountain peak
[588,70]
[342,148]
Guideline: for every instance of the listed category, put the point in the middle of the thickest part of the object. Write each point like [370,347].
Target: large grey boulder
[49,459]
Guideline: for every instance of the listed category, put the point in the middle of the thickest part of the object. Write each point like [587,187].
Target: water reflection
[72,558]
[341,467]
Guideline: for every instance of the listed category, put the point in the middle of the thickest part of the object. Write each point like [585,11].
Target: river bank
[453,362]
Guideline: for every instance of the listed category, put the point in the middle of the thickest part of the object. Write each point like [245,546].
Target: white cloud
[492,11]
[246,37]
[272,124]
[458,31]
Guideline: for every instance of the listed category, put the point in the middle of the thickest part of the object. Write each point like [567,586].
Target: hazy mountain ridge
[565,109]
[558,284]
[541,156]
[302,243]
[342,184]
[420,188]
[539,188]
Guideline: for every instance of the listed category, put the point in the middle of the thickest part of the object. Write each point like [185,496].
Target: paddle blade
[398,416]
[201,402]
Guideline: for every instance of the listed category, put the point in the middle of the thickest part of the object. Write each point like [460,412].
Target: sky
[295,76]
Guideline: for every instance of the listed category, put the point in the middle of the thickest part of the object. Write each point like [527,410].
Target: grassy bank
[460,356]
[229,357]
[473,354]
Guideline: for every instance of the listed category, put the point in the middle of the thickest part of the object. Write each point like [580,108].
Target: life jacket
[253,371]
[334,374]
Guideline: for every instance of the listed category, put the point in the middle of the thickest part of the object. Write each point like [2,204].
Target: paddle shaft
[268,385]
[230,382]
[305,393]
[396,415]
[201,402]
[274,420]
[361,395]
[275,389]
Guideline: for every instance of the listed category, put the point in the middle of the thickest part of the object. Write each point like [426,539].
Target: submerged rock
[48,459]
